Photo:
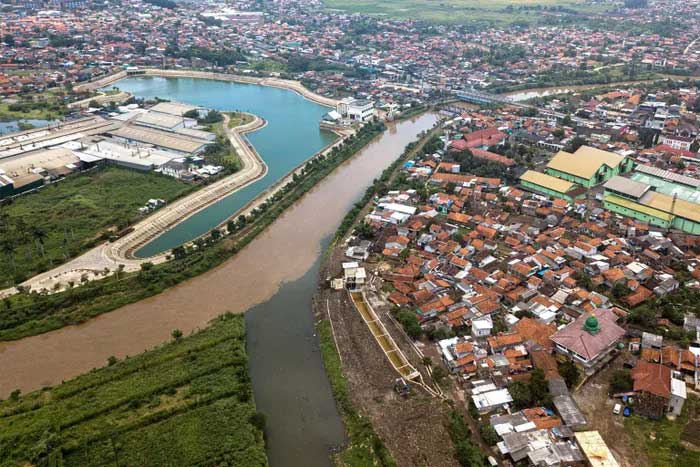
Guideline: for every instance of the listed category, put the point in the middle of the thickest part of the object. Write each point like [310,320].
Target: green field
[460,11]
[187,403]
[661,441]
[42,229]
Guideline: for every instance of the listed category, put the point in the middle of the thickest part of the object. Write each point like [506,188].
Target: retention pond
[291,136]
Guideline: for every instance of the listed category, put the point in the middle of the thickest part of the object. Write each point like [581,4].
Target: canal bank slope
[361,374]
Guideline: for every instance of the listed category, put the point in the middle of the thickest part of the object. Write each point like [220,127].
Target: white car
[617,409]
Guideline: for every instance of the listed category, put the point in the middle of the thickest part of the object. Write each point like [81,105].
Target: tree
[8,248]
[439,375]
[488,434]
[39,235]
[575,143]
[177,334]
[258,420]
[410,324]
[364,230]
[621,381]
[647,136]
[9,40]
[179,252]
[695,146]
[520,392]
[570,372]
[112,360]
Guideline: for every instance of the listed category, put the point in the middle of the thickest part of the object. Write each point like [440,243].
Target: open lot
[59,221]
[455,11]
[186,403]
[638,441]
[367,380]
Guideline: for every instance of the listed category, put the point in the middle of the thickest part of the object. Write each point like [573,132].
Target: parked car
[617,409]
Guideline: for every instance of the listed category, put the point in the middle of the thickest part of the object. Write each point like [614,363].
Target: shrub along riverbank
[188,402]
[27,314]
[364,446]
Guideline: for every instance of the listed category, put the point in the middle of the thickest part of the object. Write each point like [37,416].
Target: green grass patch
[237,119]
[461,11]
[48,105]
[43,229]
[660,440]
[186,403]
[364,447]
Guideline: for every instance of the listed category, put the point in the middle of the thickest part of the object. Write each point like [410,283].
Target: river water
[291,136]
[274,277]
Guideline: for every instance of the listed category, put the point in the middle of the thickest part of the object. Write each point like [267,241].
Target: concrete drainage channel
[392,352]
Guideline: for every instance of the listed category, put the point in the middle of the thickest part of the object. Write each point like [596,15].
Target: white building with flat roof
[360,110]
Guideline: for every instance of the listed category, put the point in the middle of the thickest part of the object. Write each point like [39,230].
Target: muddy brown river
[275,277]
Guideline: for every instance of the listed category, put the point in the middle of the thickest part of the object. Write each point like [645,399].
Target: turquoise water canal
[291,136]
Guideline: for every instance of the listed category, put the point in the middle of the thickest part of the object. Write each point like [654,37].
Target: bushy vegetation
[479,167]
[533,393]
[42,229]
[364,446]
[621,381]
[48,105]
[28,314]
[467,452]
[186,403]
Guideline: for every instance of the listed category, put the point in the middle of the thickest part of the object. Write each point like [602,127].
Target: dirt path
[413,428]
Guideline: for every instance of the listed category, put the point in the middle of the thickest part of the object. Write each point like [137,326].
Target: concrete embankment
[100,82]
[295,86]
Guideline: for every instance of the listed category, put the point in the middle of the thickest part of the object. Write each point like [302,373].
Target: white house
[481,327]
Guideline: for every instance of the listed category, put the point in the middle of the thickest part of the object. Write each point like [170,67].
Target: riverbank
[188,402]
[525,94]
[361,375]
[38,313]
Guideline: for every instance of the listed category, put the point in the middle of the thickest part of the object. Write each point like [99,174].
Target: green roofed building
[640,201]
[588,166]
[551,186]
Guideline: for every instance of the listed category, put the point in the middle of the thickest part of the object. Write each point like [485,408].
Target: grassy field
[47,227]
[457,11]
[661,441]
[48,105]
[186,403]
[239,119]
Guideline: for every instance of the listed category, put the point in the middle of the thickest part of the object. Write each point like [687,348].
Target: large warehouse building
[587,166]
[568,175]
[641,201]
